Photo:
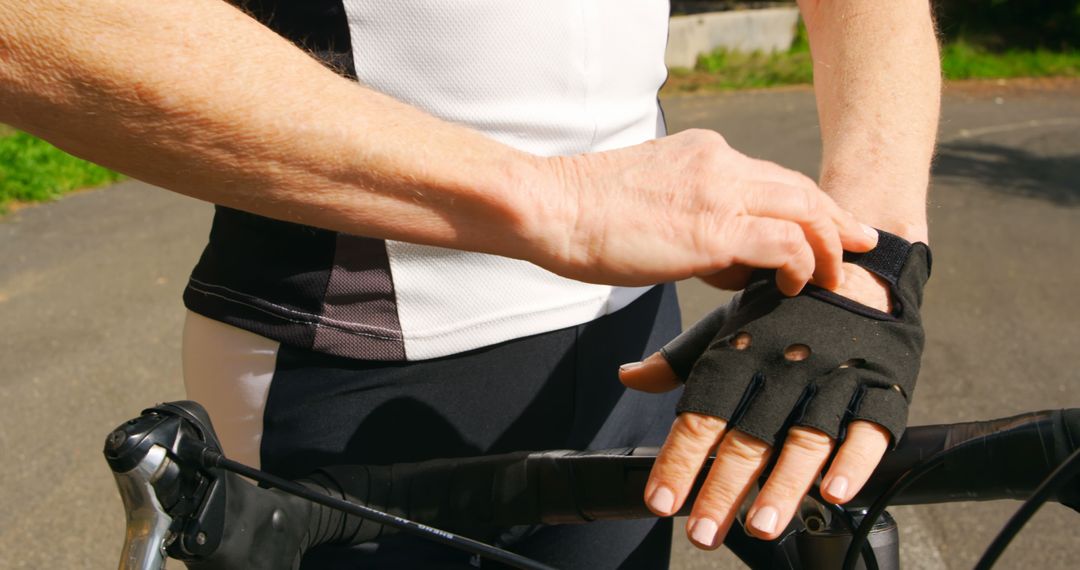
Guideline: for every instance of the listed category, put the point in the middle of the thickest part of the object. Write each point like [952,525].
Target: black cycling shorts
[557,390]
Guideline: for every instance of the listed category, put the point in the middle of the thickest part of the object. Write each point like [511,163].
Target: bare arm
[196,97]
[877,78]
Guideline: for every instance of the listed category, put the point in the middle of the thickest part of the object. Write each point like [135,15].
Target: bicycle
[184,499]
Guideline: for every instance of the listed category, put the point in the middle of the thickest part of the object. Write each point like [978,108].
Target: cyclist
[525,133]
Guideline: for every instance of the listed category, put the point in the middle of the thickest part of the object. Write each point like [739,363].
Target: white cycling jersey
[550,77]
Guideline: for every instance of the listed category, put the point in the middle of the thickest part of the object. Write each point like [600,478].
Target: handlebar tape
[476,497]
[1005,458]
[998,459]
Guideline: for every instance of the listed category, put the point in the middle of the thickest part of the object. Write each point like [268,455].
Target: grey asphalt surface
[90,305]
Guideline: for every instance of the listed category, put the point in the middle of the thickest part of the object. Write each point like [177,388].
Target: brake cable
[859,540]
[214,459]
[1048,488]
[1062,474]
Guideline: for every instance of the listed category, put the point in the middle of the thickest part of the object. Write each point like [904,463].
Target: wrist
[547,208]
[913,230]
[897,206]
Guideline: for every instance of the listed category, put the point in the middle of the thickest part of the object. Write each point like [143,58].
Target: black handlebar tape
[472,496]
[476,496]
[1005,458]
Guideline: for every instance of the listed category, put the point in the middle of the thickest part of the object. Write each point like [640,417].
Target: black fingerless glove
[862,363]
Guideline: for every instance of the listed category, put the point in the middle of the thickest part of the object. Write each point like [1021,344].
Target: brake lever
[147,522]
[138,454]
[180,507]
[174,508]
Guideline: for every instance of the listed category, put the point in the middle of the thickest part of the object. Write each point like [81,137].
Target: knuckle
[858,455]
[792,239]
[700,427]
[785,487]
[715,500]
[744,449]
[804,260]
[712,137]
[810,438]
[676,465]
[808,442]
[870,431]
[812,204]
[706,143]
[804,179]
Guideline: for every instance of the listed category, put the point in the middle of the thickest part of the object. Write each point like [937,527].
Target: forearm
[198,98]
[877,80]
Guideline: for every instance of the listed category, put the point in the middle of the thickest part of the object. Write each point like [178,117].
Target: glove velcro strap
[886,259]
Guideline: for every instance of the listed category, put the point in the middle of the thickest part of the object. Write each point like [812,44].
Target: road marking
[1011,127]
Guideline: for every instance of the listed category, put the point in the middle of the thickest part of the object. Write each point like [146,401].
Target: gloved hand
[816,359]
[766,362]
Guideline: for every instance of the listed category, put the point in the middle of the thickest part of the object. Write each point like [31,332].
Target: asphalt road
[90,305]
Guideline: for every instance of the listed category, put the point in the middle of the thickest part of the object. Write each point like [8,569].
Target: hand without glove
[862,363]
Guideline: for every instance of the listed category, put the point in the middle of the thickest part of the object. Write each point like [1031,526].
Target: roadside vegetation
[32,170]
[965,60]
[961,58]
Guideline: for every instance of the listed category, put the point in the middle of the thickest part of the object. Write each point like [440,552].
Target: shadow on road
[1012,171]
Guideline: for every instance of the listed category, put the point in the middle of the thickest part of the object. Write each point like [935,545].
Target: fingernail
[631,365]
[704,532]
[837,488]
[764,521]
[869,231]
[662,500]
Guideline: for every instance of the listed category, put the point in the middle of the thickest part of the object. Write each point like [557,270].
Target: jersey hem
[298,328]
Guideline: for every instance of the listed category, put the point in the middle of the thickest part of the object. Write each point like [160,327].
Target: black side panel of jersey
[318,26]
[272,277]
[263,275]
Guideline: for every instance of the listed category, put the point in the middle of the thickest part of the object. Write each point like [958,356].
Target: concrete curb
[767,29]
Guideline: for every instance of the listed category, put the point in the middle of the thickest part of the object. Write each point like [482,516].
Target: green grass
[960,59]
[963,60]
[32,170]
[736,70]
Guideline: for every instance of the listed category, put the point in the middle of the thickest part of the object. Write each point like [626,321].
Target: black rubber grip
[997,459]
[990,460]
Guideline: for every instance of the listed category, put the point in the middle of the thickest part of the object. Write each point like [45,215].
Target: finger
[801,459]
[856,460]
[763,242]
[854,236]
[653,375]
[691,439]
[793,276]
[683,351]
[813,211]
[739,461]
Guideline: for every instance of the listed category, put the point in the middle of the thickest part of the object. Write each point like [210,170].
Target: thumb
[653,374]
